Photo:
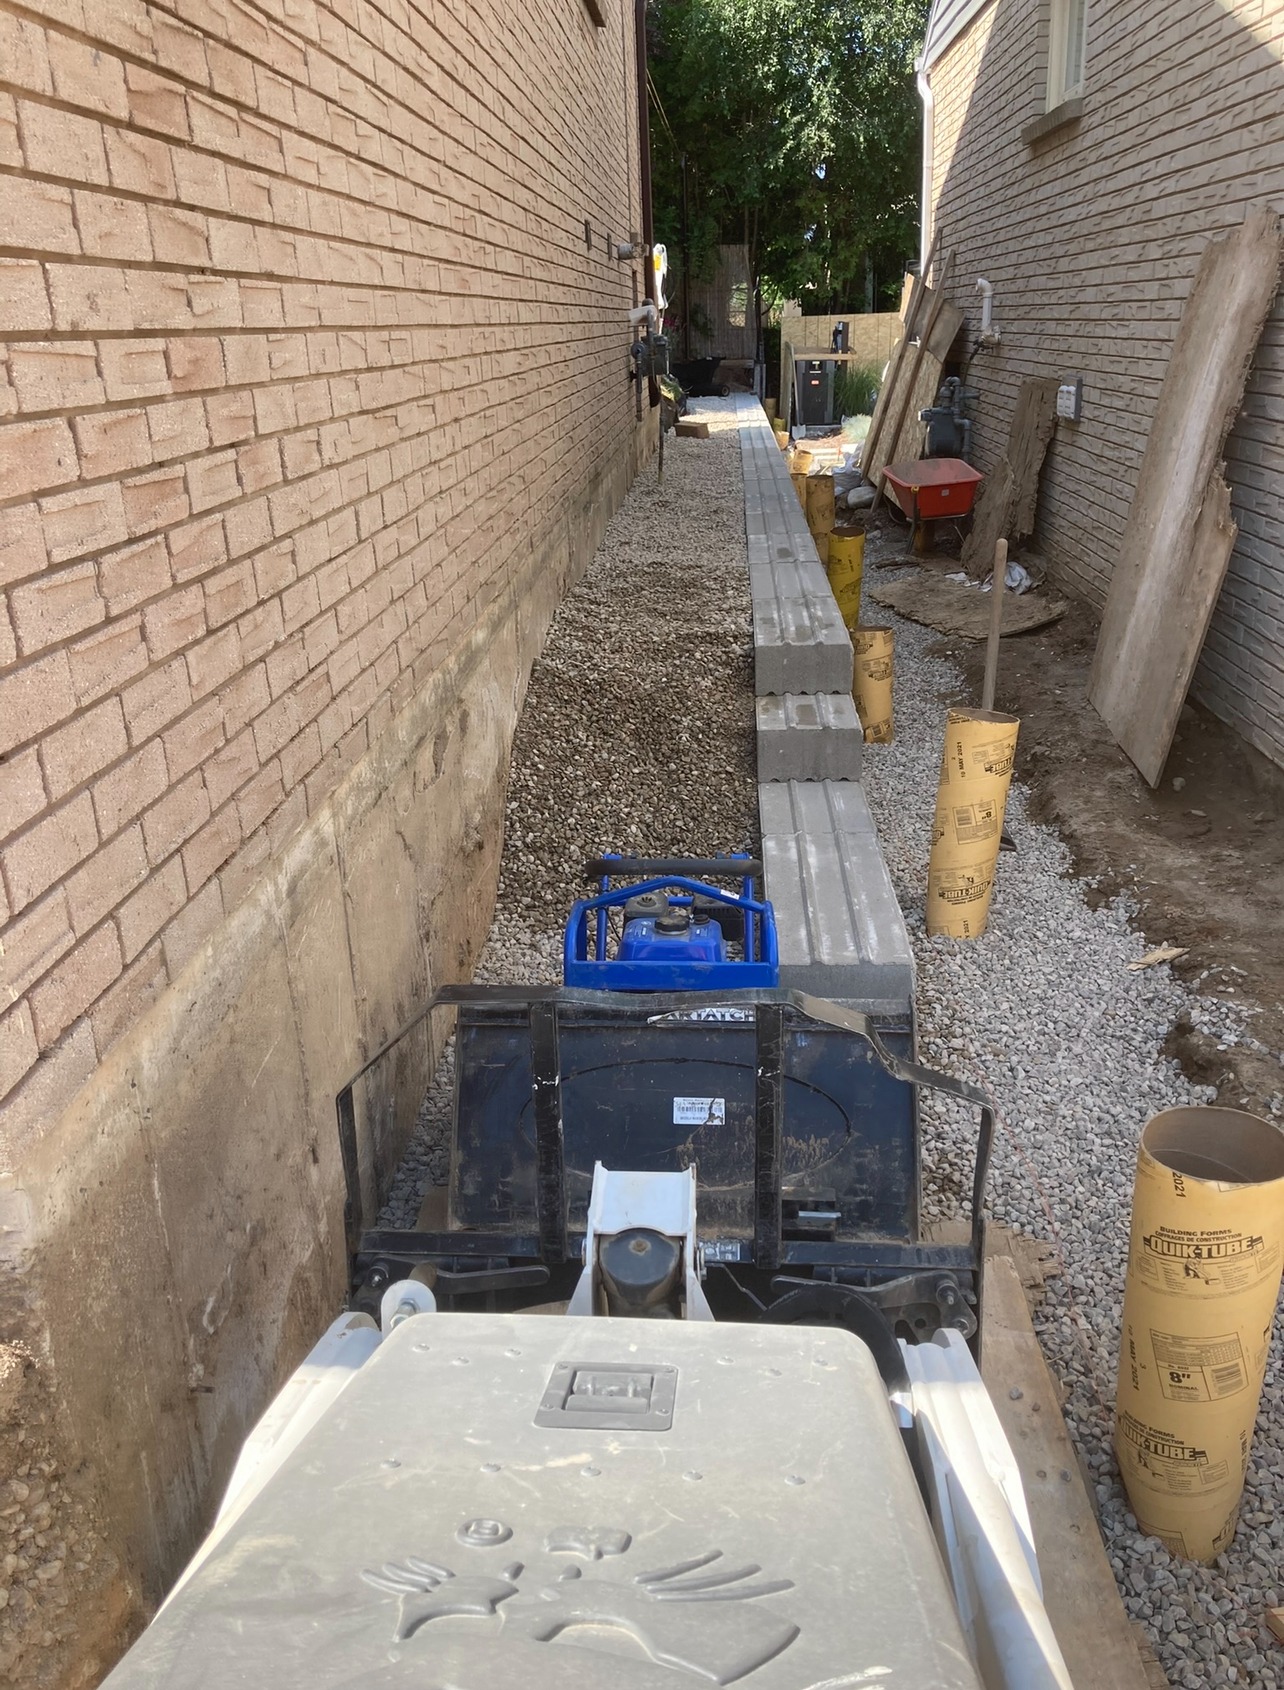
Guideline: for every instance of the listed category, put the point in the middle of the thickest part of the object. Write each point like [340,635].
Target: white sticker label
[699,1111]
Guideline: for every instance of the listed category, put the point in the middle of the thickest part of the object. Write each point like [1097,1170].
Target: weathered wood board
[1079,1590]
[925,374]
[912,293]
[990,521]
[1009,495]
[1034,423]
[952,608]
[1179,534]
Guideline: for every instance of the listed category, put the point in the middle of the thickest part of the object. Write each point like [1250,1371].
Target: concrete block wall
[313,399]
[1091,234]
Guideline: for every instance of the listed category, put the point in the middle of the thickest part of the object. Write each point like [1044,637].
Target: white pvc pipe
[986,292]
[925,191]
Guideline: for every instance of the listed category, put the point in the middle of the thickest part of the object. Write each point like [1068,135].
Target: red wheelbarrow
[928,488]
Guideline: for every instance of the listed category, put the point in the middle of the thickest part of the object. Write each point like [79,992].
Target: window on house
[1066,50]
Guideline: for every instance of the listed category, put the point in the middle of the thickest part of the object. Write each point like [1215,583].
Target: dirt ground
[1203,855]
[66,1612]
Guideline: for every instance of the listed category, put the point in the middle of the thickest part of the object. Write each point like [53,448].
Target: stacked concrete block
[808,736]
[807,726]
[840,928]
[800,643]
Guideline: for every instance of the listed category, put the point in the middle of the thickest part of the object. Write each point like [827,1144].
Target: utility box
[814,381]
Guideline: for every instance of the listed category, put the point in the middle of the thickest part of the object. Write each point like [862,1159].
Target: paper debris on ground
[1164,953]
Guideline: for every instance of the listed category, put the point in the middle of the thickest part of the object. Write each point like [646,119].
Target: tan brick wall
[1091,236]
[302,354]
[313,399]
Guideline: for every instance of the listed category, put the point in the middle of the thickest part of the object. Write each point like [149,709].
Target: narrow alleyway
[637,734]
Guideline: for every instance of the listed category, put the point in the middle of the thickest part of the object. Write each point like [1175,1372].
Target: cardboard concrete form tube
[976,771]
[820,505]
[845,568]
[872,673]
[799,479]
[1204,1263]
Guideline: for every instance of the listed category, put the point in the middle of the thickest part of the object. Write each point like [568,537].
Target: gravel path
[1044,1013]
[637,733]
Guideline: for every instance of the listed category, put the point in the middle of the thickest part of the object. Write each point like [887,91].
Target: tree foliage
[799,124]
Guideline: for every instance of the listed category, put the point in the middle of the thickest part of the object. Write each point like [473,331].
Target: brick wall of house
[309,336]
[314,397]
[1091,236]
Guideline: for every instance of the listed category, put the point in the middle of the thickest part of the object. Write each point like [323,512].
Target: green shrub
[855,389]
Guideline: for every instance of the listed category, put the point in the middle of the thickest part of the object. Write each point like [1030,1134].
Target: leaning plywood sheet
[922,369]
[1178,538]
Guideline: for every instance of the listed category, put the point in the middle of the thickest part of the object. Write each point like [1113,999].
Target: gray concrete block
[800,643]
[808,736]
[840,928]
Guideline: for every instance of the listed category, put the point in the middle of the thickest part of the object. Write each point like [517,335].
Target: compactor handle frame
[552,1245]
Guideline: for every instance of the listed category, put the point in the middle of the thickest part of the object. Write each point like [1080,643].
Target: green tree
[792,126]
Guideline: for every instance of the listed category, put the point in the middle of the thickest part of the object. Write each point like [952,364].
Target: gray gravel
[637,732]
[1043,1011]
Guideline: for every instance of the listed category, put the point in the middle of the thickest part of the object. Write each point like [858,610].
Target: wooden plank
[910,311]
[990,519]
[898,404]
[1033,424]
[1178,537]
[1009,495]
[1079,1590]
[998,587]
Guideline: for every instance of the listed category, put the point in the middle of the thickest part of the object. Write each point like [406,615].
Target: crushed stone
[1044,1012]
[637,732]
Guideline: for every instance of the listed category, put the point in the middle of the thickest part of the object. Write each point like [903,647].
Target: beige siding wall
[313,398]
[1091,235]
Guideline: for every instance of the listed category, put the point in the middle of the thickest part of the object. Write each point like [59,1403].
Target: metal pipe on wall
[644,164]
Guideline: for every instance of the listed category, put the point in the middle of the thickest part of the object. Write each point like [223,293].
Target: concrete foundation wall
[313,400]
[1090,231]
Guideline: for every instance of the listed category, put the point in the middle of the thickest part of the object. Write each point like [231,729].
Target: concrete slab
[808,736]
[841,931]
[800,643]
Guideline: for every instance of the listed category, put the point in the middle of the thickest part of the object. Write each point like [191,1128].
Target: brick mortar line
[169,267]
[155,868]
[501,92]
[11,336]
[1114,162]
[73,337]
[459,623]
[495,84]
[279,126]
[241,219]
[124,617]
[208,452]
